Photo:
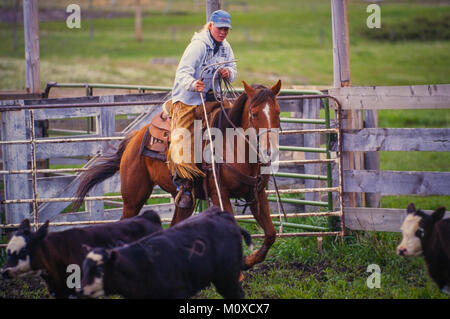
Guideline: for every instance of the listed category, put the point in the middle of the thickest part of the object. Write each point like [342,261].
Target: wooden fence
[17,156]
[392,139]
[15,126]
[366,139]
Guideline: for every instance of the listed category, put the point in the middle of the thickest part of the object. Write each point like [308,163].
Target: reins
[254,180]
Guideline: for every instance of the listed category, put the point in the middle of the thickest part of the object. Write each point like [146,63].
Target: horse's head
[262,108]
[262,113]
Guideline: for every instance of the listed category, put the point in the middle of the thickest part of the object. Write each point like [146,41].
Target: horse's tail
[105,167]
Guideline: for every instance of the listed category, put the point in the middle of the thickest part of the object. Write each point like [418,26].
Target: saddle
[157,138]
[155,143]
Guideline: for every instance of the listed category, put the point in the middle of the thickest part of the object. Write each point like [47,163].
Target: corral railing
[41,194]
[373,139]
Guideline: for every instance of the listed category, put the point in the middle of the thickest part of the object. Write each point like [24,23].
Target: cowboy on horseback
[207,47]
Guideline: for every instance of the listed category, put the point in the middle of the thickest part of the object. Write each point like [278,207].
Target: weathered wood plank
[65,100]
[75,112]
[18,95]
[163,210]
[49,150]
[376,219]
[89,111]
[393,97]
[397,139]
[397,182]
[79,111]
[371,159]
[15,157]
[48,187]
[112,184]
[31,35]
[106,126]
[311,110]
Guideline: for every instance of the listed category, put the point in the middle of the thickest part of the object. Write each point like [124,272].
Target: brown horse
[256,108]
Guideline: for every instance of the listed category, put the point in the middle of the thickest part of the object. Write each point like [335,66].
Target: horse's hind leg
[264,220]
[133,202]
[136,187]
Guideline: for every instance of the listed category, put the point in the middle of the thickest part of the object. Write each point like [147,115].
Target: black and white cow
[50,253]
[429,236]
[175,263]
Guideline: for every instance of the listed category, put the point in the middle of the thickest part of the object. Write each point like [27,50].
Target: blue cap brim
[222,25]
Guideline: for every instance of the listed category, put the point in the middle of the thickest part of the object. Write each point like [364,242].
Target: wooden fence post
[211,6]
[15,157]
[31,29]
[341,78]
[371,159]
[138,20]
[311,110]
[106,126]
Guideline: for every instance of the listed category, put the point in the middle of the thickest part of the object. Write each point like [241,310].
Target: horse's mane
[235,112]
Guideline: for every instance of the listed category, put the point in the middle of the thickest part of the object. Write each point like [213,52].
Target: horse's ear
[248,89]
[276,88]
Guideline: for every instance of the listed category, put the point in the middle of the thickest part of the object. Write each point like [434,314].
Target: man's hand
[199,86]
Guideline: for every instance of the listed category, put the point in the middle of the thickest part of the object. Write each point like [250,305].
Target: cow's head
[92,284]
[22,248]
[416,228]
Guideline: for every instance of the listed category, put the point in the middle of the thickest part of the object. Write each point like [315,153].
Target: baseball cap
[221,19]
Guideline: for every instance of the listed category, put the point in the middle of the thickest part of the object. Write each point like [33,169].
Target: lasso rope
[212,153]
[213,162]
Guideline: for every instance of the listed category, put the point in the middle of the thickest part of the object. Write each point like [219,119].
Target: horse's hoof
[248,262]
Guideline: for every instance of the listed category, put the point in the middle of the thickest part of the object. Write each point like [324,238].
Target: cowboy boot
[185,197]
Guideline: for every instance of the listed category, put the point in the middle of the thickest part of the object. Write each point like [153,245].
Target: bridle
[265,161]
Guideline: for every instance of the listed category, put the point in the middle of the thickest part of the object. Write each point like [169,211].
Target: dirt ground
[34,287]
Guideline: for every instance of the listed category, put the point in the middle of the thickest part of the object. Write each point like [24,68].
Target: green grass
[294,269]
[290,40]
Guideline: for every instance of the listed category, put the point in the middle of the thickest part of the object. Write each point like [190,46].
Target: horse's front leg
[224,196]
[180,214]
[263,219]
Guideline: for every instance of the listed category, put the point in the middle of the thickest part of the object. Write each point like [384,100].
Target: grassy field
[290,40]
